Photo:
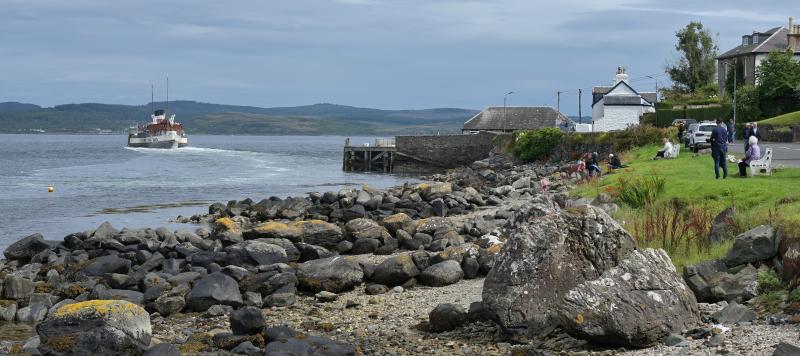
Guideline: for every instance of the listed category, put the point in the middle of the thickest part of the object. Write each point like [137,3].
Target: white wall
[618,118]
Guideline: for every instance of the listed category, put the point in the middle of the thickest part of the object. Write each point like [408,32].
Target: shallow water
[96,178]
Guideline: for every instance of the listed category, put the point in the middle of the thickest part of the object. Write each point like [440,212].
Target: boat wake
[189,150]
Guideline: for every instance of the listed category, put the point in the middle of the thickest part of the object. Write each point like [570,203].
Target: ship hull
[169,140]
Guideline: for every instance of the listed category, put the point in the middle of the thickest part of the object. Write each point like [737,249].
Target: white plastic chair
[764,163]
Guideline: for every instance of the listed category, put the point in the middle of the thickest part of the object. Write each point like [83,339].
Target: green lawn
[785,119]
[690,182]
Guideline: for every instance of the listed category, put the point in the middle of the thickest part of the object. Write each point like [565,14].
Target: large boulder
[276,230]
[399,221]
[215,288]
[711,282]
[549,252]
[96,327]
[16,287]
[247,321]
[755,245]
[332,274]
[318,232]
[24,249]
[723,225]
[365,228]
[107,264]
[446,317]
[395,270]
[442,274]
[265,254]
[637,303]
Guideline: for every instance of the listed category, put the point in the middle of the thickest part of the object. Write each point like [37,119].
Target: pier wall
[430,153]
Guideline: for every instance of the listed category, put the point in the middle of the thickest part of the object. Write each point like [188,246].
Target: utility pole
[733,129]
[580,113]
[654,104]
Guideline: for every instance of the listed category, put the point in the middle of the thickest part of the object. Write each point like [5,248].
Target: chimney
[622,75]
[794,35]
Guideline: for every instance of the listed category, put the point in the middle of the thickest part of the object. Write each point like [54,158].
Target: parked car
[698,136]
[686,122]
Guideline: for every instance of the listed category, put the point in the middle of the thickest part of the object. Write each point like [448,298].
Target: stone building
[753,49]
[618,106]
[509,119]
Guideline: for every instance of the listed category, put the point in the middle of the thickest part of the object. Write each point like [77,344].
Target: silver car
[698,136]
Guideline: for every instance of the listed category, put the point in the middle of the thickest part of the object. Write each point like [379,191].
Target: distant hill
[317,119]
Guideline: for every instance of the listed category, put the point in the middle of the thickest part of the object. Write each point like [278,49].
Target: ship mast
[167,112]
[152,99]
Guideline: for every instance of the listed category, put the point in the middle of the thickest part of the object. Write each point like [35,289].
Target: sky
[388,54]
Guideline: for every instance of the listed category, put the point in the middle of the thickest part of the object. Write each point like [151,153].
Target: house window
[755,38]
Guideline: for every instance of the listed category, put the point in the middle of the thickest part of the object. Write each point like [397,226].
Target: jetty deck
[375,156]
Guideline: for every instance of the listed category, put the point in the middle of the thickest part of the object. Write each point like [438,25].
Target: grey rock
[310,345]
[276,333]
[333,274]
[446,317]
[219,310]
[637,303]
[265,254]
[168,305]
[374,289]
[698,278]
[674,340]
[163,349]
[33,313]
[755,245]
[31,346]
[470,267]
[8,312]
[398,222]
[722,227]
[441,274]
[326,297]
[247,321]
[246,348]
[15,287]
[96,328]
[24,249]
[364,245]
[734,313]
[786,349]
[313,252]
[107,264]
[215,288]
[395,270]
[365,228]
[132,296]
[549,252]
[253,299]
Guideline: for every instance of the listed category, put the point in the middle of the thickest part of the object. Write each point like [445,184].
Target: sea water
[96,178]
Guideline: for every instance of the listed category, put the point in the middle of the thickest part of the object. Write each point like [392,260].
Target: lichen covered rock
[96,327]
[637,303]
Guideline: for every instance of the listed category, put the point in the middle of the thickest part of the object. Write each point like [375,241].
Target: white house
[619,106]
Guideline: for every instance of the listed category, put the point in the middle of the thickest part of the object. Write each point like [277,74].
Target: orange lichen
[101,307]
[226,224]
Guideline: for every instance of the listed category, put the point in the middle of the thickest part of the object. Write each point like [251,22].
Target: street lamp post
[505,98]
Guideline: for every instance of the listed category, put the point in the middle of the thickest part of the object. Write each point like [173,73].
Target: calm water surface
[97,178]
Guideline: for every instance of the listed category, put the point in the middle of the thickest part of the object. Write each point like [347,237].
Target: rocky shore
[489,259]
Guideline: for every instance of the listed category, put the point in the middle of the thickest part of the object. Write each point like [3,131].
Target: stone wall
[431,153]
[780,133]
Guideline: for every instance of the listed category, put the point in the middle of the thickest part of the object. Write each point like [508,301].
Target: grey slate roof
[623,100]
[515,118]
[776,41]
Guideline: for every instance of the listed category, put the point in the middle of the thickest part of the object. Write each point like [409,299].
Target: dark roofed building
[509,119]
[755,48]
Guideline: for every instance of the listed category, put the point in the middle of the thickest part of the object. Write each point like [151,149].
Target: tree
[747,103]
[736,68]
[778,78]
[696,67]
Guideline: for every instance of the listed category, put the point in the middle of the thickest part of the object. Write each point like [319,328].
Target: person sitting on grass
[614,162]
[753,153]
[592,165]
[665,151]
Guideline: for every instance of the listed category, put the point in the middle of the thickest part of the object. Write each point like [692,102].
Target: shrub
[536,144]
[640,192]
[768,281]
[673,226]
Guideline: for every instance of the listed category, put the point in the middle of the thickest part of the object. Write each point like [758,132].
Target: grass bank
[678,216]
[782,120]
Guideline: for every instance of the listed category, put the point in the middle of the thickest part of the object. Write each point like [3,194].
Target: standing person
[752,153]
[719,148]
[748,131]
[681,129]
[754,131]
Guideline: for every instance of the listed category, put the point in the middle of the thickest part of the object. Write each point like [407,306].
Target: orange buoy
[50,189]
